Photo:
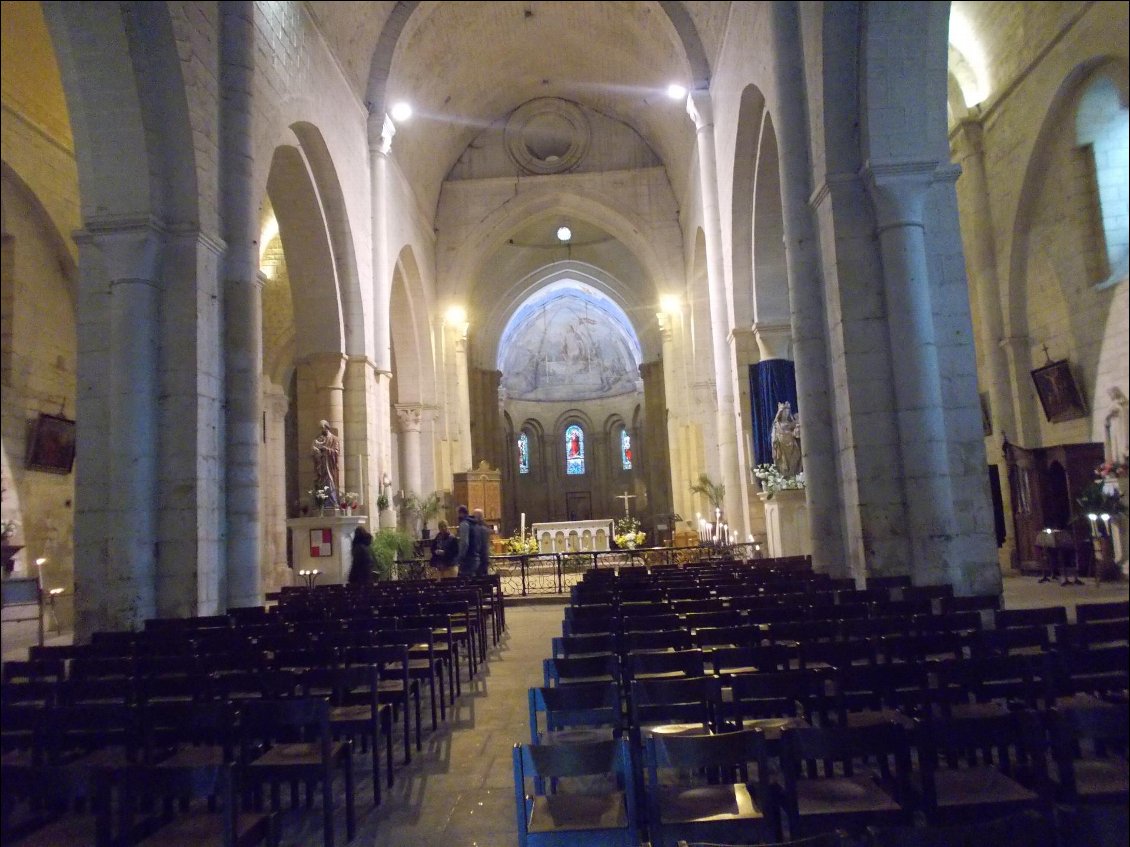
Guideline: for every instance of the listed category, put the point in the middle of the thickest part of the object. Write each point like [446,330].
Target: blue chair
[591,797]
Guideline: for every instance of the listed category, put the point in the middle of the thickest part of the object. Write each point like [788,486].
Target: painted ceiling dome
[569,342]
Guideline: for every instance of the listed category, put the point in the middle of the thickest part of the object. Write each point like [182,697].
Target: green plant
[382,501]
[388,545]
[714,492]
[426,508]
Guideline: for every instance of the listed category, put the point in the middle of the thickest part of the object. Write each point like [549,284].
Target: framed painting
[1059,395]
[51,447]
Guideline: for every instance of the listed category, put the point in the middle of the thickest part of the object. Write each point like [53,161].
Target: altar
[574,536]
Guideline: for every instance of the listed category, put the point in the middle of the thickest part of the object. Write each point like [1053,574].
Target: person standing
[445,551]
[482,542]
[468,555]
[361,571]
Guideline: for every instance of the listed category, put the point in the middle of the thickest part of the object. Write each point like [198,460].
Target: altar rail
[555,573]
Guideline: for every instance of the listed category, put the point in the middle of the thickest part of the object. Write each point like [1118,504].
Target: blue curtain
[770,382]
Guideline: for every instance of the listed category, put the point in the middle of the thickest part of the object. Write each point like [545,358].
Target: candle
[522,533]
[1094,519]
[361,480]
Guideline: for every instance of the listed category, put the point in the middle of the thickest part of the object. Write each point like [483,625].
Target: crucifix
[625,497]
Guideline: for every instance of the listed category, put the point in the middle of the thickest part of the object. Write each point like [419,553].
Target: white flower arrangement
[772,480]
[627,533]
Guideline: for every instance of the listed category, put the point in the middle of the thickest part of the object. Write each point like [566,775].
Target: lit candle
[1094,519]
[1106,523]
[522,533]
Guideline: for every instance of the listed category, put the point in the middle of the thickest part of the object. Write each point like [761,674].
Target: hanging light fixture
[564,233]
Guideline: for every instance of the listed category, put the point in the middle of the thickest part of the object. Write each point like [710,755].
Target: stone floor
[458,791]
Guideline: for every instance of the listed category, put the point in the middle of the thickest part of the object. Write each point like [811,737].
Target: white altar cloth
[574,536]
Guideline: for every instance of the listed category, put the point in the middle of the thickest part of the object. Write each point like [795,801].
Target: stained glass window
[523,453]
[625,449]
[574,450]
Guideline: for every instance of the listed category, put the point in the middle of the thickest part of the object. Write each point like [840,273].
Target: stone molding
[523,122]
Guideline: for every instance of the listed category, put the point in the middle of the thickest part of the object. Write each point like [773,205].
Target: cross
[625,497]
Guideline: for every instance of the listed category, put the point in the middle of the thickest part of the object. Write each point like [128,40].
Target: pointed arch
[410,332]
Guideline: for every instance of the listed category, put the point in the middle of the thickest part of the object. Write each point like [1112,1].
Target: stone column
[243,319]
[463,399]
[680,497]
[701,112]
[898,193]
[117,497]
[360,443]
[381,132]
[275,571]
[410,416]
[806,297]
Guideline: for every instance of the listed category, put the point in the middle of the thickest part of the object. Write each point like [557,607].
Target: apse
[569,342]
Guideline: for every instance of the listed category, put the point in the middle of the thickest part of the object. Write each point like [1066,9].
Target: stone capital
[381,132]
[774,339]
[130,248]
[898,190]
[410,416]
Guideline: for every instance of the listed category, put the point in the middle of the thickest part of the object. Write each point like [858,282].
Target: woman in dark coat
[361,571]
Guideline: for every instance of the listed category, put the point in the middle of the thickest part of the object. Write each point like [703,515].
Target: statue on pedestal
[326,453]
[786,441]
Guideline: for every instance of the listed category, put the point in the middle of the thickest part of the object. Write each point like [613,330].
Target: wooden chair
[1028,828]
[988,765]
[1090,747]
[51,805]
[758,696]
[841,777]
[699,786]
[576,646]
[189,733]
[158,808]
[1088,612]
[652,665]
[396,686]
[605,814]
[826,839]
[868,694]
[356,710]
[424,664]
[290,741]
[564,671]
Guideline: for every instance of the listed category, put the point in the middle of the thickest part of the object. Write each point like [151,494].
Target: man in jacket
[468,556]
[482,540]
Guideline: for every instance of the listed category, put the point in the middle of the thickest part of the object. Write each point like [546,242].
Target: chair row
[743,783]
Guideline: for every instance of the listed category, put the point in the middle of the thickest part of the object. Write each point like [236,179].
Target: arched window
[625,449]
[523,453]
[1101,123]
[574,450]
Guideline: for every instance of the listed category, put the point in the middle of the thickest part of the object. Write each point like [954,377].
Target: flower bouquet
[522,546]
[627,533]
[320,496]
[772,480]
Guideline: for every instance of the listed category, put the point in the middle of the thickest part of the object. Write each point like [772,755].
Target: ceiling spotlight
[671,304]
[676,91]
[401,111]
[456,316]
[564,233]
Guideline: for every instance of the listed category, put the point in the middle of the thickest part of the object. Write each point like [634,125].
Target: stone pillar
[463,399]
[680,496]
[381,132]
[243,319]
[360,444]
[409,416]
[806,297]
[275,571]
[116,498]
[898,192]
[726,415]
[980,250]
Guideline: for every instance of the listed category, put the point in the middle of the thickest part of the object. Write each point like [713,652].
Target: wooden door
[578,506]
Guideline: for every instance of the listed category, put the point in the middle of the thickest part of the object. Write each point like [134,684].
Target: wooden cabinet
[1044,483]
[481,488]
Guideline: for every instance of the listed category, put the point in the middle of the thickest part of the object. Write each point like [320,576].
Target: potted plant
[714,492]
[427,509]
[388,546]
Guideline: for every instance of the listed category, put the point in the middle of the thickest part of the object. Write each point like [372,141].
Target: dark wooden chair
[356,711]
[654,665]
[396,687]
[290,741]
[760,696]
[1028,828]
[1090,747]
[845,777]
[983,766]
[565,708]
[425,666]
[825,839]
[699,786]
[52,805]
[188,806]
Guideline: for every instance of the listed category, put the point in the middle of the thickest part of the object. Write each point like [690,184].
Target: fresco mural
[569,343]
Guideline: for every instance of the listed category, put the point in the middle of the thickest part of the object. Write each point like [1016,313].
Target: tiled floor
[458,791]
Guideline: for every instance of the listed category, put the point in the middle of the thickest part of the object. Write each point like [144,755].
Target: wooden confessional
[1044,483]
